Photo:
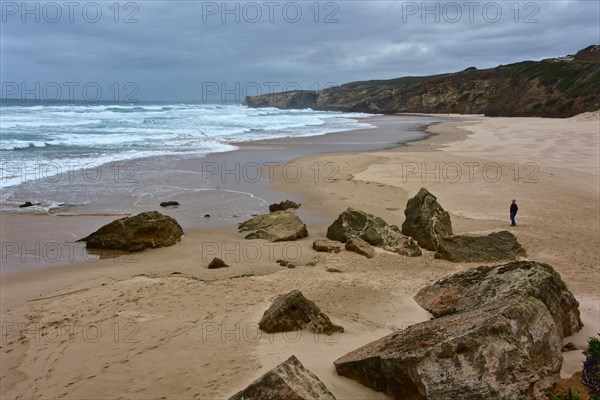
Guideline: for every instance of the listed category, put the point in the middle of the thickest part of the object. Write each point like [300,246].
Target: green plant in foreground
[593,349]
[569,396]
[591,366]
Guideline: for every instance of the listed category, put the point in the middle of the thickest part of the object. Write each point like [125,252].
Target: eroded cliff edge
[556,87]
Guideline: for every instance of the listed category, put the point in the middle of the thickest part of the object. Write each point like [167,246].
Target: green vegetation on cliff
[559,87]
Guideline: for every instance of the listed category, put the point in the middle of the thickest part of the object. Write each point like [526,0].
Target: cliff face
[560,87]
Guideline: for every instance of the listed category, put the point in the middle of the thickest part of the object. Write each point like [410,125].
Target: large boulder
[292,312]
[373,230]
[426,221]
[361,247]
[290,381]
[497,246]
[284,205]
[146,230]
[278,226]
[485,285]
[509,351]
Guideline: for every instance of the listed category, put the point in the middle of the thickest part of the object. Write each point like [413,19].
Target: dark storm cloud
[179,50]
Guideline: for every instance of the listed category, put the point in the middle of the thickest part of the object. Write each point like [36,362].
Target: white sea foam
[81,134]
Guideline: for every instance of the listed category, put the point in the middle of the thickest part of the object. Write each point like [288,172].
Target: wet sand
[229,187]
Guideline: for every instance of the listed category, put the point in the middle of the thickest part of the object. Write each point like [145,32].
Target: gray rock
[289,381]
[146,230]
[327,246]
[361,247]
[278,226]
[484,285]
[373,230]
[508,351]
[284,205]
[292,312]
[426,221]
[497,246]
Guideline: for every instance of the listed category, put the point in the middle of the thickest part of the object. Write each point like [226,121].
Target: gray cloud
[176,46]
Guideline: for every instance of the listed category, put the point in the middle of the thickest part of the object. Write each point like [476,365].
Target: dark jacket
[514,208]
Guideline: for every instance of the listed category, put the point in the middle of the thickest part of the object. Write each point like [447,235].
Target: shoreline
[229,186]
[172,299]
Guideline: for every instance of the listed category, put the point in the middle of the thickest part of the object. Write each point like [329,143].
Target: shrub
[591,366]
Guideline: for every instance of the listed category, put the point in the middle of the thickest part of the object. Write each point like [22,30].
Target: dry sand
[158,324]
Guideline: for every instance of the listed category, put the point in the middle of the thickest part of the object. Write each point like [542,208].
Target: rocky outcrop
[290,381]
[146,230]
[292,312]
[327,246]
[497,246]
[509,350]
[278,226]
[485,285]
[558,87]
[284,100]
[217,263]
[169,204]
[373,230]
[426,221]
[361,247]
[284,205]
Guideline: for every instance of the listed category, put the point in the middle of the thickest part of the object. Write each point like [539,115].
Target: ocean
[84,135]
[119,159]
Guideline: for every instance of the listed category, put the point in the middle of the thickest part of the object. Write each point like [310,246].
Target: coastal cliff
[557,87]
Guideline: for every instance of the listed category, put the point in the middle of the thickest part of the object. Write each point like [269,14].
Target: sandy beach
[158,324]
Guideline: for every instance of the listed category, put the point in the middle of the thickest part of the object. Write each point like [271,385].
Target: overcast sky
[198,50]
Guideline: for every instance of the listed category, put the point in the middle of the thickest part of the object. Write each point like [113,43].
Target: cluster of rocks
[497,334]
[427,225]
[430,225]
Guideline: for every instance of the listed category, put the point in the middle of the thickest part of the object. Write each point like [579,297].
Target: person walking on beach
[513,212]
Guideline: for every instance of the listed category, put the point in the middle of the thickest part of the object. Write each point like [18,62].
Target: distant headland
[554,87]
